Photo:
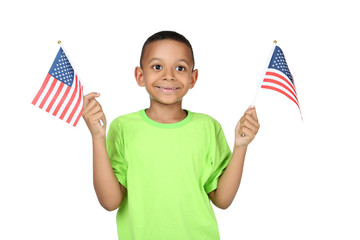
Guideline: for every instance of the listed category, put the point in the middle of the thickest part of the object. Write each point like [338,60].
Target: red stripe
[282,77]
[78,117]
[77,103]
[69,103]
[55,97]
[62,100]
[48,93]
[280,91]
[41,89]
[281,84]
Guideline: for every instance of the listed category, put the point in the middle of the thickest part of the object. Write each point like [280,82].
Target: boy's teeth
[167,88]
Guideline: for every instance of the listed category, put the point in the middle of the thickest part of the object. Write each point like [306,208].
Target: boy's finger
[254,114]
[251,124]
[246,132]
[94,110]
[251,118]
[90,96]
[98,116]
[252,111]
[89,106]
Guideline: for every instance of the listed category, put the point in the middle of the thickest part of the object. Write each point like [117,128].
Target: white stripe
[48,101]
[281,88]
[65,101]
[282,81]
[56,103]
[46,89]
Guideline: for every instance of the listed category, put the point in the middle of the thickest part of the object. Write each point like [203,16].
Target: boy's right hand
[92,114]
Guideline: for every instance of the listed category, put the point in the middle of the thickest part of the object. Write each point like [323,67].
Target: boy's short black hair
[170,35]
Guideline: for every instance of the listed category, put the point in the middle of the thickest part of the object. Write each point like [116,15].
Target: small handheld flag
[277,76]
[61,93]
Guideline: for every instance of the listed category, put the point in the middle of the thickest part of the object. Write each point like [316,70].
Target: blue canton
[278,62]
[62,69]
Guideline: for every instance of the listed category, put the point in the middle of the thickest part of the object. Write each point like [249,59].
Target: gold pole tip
[59,42]
[274,41]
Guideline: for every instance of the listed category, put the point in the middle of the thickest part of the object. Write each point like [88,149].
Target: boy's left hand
[247,128]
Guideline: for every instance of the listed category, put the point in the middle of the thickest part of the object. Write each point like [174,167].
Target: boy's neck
[163,113]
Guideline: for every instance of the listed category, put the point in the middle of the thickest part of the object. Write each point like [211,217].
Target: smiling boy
[161,166]
[166,71]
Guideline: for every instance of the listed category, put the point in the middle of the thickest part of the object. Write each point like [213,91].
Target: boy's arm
[229,182]
[109,191]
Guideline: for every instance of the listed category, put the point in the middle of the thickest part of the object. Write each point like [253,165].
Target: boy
[161,166]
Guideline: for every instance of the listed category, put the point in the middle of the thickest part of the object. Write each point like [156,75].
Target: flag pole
[264,73]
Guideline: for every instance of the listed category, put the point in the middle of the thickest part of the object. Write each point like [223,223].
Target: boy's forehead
[167,49]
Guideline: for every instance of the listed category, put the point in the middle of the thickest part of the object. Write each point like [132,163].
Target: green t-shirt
[168,171]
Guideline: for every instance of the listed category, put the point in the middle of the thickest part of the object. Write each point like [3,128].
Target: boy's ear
[194,77]
[139,76]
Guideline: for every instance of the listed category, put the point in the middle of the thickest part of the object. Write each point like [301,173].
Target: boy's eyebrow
[159,59]
[155,59]
[184,60]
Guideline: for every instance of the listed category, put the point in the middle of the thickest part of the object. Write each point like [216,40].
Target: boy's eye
[180,68]
[157,67]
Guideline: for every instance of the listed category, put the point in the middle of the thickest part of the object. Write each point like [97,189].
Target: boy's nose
[168,75]
[168,78]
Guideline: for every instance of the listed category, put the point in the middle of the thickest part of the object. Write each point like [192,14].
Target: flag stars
[62,69]
[278,62]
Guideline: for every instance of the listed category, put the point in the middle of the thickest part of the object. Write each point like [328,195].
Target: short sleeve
[115,149]
[219,159]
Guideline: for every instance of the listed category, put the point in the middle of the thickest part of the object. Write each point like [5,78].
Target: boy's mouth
[167,89]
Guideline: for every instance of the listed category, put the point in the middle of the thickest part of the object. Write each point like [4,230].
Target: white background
[301,179]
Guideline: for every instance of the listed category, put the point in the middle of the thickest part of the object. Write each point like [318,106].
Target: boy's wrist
[98,138]
[240,148]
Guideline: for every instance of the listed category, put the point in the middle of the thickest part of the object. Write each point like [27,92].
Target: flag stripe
[286,83]
[55,97]
[272,73]
[79,115]
[48,93]
[77,103]
[61,101]
[46,89]
[73,101]
[52,94]
[55,105]
[281,91]
[281,84]
[281,88]
[80,108]
[66,100]
[77,119]
[69,103]
[41,89]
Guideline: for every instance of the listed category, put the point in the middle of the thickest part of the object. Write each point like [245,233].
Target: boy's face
[166,71]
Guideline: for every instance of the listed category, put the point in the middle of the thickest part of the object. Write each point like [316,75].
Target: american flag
[279,78]
[61,93]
